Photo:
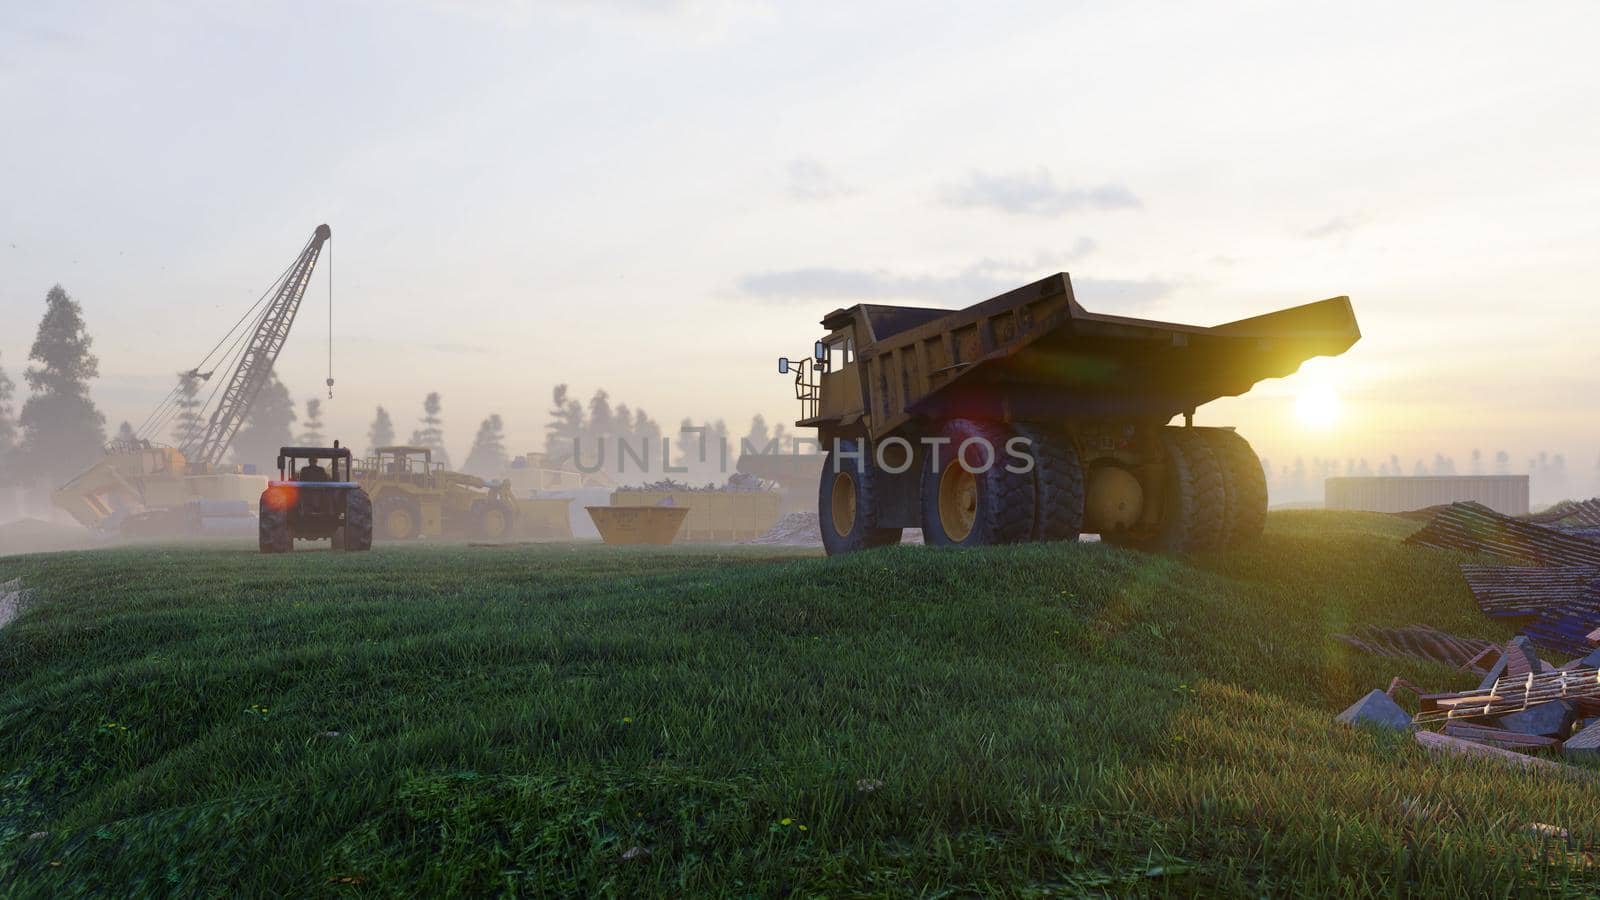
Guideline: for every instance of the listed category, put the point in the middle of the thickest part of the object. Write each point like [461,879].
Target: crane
[255,363]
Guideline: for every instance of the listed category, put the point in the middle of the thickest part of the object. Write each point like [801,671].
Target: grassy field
[1031,720]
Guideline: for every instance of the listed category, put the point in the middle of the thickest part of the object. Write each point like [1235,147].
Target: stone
[1552,719]
[1376,708]
[1585,743]
[1521,660]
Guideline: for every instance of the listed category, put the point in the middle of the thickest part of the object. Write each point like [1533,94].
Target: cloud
[1034,194]
[979,281]
[809,179]
[1338,226]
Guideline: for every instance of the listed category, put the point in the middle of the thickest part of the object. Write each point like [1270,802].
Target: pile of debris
[1523,705]
[1549,582]
[738,481]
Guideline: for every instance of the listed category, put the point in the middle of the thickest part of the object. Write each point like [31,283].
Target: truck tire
[1057,484]
[1244,485]
[356,535]
[846,503]
[398,518]
[492,520]
[965,508]
[1192,518]
[273,530]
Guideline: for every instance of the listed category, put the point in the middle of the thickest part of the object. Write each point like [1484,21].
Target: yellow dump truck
[1026,417]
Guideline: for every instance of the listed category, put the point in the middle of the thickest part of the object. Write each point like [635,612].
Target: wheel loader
[1028,418]
[414,497]
[312,502]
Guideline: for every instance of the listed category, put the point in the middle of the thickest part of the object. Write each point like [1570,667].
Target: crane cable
[330,317]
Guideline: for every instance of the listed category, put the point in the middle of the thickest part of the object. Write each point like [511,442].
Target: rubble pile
[1524,705]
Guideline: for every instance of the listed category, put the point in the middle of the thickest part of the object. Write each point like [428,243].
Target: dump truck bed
[1034,353]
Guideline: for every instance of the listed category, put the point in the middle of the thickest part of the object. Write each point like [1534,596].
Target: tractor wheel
[846,502]
[981,502]
[1192,498]
[492,520]
[1244,485]
[356,535]
[274,530]
[1057,484]
[398,518]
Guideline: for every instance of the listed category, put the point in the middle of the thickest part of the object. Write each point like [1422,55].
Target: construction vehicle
[1026,417]
[312,502]
[412,496]
[142,487]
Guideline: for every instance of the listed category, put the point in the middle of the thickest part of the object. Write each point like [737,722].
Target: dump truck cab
[1027,417]
[315,497]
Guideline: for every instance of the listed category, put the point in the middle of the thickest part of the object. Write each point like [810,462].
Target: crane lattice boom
[255,365]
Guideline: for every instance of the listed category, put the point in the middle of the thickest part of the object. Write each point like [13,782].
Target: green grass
[1027,720]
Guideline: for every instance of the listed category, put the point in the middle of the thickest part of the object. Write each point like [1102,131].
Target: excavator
[145,489]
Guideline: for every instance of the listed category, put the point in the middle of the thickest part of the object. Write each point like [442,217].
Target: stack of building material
[1560,605]
[1474,528]
[1523,706]
[1569,514]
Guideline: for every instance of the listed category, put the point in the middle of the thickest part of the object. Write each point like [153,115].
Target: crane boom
[255,364]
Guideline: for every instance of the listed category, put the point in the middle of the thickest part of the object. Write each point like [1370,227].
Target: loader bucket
[638,524]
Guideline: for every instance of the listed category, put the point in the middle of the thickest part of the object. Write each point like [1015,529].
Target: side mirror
[783,365]
[820,351]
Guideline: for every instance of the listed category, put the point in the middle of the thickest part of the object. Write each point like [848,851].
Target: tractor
[413,497]
[310,502]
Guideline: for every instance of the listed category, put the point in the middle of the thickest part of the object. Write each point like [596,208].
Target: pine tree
[381,434]
[125,435]
[62,431]
[268,426]
[312,436]
[8,427]
[566,425]
[187,426]
[488,456]
[431,434]
[1502,463]
[602,424]
[759,439]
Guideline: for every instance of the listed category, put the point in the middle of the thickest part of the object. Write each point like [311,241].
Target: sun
[1317,406]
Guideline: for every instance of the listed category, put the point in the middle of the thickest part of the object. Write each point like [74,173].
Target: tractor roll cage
[289,456]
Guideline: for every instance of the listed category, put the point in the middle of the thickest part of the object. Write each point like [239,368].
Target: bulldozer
[1028,418]
[412,497]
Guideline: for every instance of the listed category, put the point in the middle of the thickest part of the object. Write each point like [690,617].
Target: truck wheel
[1191,516]
[1057,484]
[398,518]
[273,530]
[982,502]
[845,503]
[356,535]
[492,520]
[1244,485]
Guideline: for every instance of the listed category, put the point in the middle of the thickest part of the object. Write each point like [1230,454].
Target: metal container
[1505,494]
[713,515]
[638,524]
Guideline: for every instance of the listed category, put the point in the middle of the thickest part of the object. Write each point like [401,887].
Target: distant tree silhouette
[62,431]
[267,426]
[187,426]
[313,436]
[8,427]
[381,434]
[431,434]
[487,459]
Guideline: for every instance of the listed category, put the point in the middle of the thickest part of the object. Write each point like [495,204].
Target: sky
[661,198]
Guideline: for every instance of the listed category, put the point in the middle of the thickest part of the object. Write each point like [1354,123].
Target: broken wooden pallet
[1422,642]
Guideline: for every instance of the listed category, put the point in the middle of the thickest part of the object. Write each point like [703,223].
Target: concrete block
[1585,743]
[1553,719]
[1376,708]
